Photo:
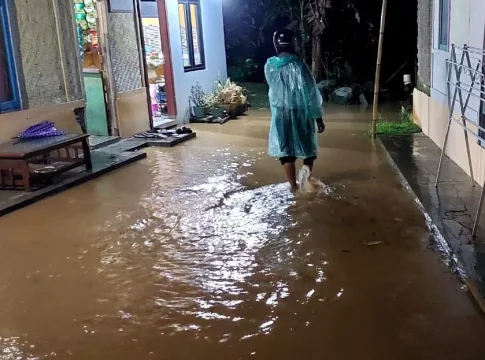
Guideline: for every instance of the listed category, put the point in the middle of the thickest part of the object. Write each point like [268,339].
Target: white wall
[214,48]
[467,26]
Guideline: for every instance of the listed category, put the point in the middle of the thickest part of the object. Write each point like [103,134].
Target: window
[444,25]
[9,93]
[191,35]
[121,6]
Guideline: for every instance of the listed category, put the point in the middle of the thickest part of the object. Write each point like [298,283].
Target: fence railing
[466,104]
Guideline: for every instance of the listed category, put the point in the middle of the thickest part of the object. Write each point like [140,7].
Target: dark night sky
[400,41]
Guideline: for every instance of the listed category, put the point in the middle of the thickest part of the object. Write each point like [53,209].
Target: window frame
[189,35]
[126,6]
[14,104]
[441,6]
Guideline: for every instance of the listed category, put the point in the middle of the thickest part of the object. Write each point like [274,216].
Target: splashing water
[309,184]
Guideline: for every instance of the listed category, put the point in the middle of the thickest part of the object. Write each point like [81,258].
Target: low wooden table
[22,161]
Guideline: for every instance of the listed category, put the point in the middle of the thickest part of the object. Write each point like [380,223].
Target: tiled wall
[124,52]
[36,38]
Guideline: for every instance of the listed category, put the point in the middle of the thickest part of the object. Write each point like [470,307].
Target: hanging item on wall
[93,36]
[85,15]
[80,40]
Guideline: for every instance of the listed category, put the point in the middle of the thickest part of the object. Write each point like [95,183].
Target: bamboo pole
[140,35]
[378,69]
[107,66]
[61,50]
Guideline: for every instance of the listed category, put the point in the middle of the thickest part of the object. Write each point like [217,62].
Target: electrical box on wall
[121,6]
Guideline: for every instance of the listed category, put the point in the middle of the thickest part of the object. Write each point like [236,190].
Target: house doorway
[156,43]
[155,62]
[87,27]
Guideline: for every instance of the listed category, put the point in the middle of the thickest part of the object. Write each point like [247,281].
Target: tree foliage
[337,32]
[315,15]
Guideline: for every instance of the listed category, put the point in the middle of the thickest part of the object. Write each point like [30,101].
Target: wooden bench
[22,161]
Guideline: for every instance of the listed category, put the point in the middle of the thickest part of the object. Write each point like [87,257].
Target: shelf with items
[86,20]
[158,98]
[161,96]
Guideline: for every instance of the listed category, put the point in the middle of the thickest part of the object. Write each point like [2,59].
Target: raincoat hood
[277,62]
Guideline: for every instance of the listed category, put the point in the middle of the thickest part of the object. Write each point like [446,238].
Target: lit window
[9,94]
[444,25]
[191,35]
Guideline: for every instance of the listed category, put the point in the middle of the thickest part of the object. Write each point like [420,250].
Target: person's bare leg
[309,163]
[290,172]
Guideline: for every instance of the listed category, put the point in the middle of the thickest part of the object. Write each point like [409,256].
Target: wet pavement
[103,160]
[201,252]
[452,206]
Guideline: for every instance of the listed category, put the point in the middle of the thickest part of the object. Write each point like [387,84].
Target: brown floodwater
[201,252]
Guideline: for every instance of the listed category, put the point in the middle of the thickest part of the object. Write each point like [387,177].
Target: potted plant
[231,96]
[197,99]
[213,102]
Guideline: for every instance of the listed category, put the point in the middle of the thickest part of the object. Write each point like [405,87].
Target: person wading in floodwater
[296,107]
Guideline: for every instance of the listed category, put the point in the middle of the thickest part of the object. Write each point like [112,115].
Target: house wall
[44,35]
[214,47]
[425,43]
[467,26]
[40,50]
[49,69]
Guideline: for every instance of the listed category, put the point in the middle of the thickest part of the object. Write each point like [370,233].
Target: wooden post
[375,113]
[167,54]
[107,66]
[60,44]
[143,60]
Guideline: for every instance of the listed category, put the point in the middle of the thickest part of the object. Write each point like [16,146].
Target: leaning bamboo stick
[60,44]
[378,69]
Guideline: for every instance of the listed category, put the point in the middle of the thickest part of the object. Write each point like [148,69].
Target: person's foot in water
[290,172]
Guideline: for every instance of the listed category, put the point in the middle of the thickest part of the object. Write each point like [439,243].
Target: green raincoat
[295,104]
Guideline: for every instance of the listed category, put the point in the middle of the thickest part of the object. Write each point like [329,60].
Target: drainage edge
[436,234]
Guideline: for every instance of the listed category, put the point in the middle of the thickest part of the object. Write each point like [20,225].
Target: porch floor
[99,141]
[452,206]
[107,153]
[103,160]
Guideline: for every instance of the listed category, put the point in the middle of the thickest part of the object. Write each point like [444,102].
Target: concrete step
[100,141]
[164,123]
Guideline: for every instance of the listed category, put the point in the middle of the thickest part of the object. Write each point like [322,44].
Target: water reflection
[222,249]
[12,348]
[203,251]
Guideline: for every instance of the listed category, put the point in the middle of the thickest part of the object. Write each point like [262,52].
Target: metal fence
[466,103]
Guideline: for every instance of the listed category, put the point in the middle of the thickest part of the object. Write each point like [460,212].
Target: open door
[157,61]
[88,23]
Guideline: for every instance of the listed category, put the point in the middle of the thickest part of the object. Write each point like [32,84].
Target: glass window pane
[6,93]
[194,22]
[183,35]
[444,20]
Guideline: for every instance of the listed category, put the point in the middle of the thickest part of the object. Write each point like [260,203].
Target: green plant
[402,126]
[197,95]
[212,100]
[391,128]
[242,70]
[230,93]
[406,115]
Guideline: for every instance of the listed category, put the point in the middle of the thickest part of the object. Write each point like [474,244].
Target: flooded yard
[201,252]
